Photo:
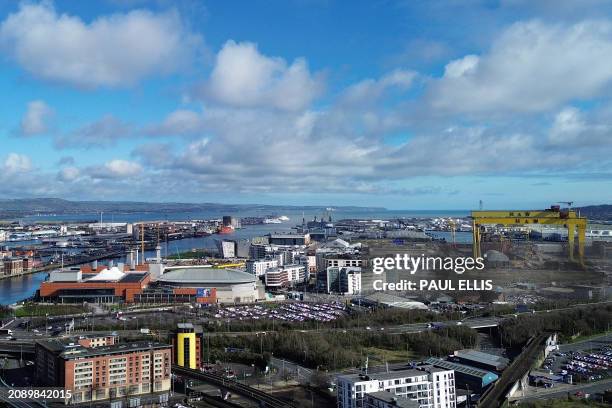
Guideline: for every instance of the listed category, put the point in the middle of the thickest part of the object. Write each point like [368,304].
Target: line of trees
[336,350]
[584,320]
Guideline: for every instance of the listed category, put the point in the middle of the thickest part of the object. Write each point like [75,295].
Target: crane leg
[570,240]
[581,242]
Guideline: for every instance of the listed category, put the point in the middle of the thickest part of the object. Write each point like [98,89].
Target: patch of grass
[379,356]
[53,310]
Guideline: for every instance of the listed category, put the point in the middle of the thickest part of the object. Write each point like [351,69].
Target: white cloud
[115,169]
[116,50]
[243,77]
[460,67]
[369,91]
[531,67]
[35,120]
[571,128]
[17,163]
[68,174]
[179,122]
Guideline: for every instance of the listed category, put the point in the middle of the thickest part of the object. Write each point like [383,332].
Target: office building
[430,387]
[187,346]
[100,369]
[345,280]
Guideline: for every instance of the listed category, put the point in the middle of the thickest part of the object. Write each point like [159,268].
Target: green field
[29,310]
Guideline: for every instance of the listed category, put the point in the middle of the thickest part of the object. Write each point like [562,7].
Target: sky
[403,104]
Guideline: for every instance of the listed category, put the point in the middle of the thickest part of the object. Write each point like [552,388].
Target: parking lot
[580,366]
[294,312]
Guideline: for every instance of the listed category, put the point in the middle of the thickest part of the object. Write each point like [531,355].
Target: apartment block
[96,369]
[429,387]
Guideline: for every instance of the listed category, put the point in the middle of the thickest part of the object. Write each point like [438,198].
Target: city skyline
[402,105]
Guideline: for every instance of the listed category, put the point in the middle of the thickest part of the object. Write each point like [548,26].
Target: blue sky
[401,104]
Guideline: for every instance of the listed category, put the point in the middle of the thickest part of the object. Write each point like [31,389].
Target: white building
[295,273]
[430,387]
[260,266]
[345,280]
[353,281]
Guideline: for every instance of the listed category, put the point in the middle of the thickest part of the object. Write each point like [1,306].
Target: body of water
[293,214]
[18,288]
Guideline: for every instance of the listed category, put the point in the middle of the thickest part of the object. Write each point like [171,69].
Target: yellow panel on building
[186,356]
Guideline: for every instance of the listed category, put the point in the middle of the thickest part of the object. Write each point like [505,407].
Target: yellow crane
[567,218]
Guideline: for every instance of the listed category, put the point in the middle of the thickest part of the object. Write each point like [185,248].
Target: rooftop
[397,401]
[197,275]
[481,357]
[70,349]
[460,368]
[384,376]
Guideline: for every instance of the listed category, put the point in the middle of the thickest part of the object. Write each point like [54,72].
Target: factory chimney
[158,253]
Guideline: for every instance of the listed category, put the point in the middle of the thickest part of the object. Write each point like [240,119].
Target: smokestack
[130,257]
[158,253]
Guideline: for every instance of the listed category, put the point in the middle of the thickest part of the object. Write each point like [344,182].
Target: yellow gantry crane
[555,216]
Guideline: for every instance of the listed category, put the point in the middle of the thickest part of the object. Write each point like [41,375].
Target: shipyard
[300,204]
[304,276]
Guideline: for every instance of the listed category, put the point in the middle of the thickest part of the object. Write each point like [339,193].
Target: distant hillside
[10,208]
[597,212]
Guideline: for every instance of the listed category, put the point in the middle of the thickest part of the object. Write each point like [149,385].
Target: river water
[18,288]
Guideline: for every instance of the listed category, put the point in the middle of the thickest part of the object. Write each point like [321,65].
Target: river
[18,288]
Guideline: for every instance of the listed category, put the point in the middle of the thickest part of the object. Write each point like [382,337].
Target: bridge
[263,398]
[17,349]
[496,395]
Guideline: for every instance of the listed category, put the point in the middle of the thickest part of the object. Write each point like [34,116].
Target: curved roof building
[232,285]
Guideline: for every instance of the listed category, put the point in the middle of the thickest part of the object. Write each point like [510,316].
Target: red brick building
[107,371]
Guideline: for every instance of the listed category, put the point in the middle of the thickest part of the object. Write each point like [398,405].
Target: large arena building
[231,285]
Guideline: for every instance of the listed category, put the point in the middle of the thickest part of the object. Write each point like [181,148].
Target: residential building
[258,267]
[13,266]
[386,399]
[430,387]
[276,278]
[295,273]
[99,372]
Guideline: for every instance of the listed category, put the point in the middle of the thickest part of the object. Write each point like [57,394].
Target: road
[551,393]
